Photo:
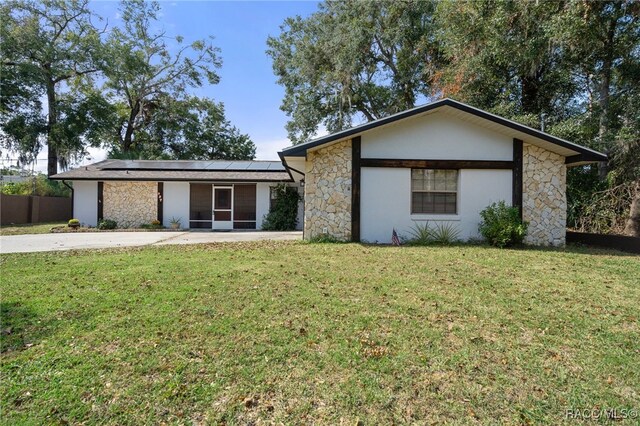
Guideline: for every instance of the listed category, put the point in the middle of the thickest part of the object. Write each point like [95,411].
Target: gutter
[287,167]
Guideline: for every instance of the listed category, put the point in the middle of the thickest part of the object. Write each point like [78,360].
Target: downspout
[64,182]
[288,169]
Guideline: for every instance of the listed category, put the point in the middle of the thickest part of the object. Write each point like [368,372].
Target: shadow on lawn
[18,327]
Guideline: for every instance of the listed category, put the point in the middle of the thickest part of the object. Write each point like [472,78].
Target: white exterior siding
[85,202]
[436,136]
[386,201]
[262,201]
[175,203]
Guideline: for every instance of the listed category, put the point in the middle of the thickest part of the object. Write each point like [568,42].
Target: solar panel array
[189,165]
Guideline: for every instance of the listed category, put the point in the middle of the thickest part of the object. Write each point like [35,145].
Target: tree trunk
[127,142]
[52,120]
[603,101]
[530,89]
[632,227]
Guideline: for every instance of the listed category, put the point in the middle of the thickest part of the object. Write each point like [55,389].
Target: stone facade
[130,203]
[544,200]
[327,195]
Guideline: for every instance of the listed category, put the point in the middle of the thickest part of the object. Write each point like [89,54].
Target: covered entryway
[222,206]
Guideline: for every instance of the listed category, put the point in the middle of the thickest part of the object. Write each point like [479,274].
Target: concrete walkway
[96,240]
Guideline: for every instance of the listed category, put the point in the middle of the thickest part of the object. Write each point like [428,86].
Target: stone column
[544,200]
[327,194]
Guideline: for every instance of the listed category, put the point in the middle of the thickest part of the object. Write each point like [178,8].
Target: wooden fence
[17,209]
[618,242]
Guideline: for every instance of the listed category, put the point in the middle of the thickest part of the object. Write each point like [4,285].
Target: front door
[223,207]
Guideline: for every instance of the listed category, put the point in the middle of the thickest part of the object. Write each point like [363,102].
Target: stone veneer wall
[327,194]
[544,200]
[130,203]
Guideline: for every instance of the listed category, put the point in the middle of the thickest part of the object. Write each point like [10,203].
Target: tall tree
[192,129]
[600,39]
[141,70]
[46,46]
[353,60]
[501,57]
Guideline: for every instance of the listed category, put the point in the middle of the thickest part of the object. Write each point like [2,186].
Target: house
[442,162]
[219,195]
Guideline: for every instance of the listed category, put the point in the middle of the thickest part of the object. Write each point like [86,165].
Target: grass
[318,333]
[29,228]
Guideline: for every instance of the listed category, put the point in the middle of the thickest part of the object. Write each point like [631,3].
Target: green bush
[107,224]
[441,233]
[324,238]
[37,185]
[501,225]
[155,224]
[283,215]
[73,223]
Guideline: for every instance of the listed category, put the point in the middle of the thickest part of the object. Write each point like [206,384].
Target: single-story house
[219,195]
[441,162]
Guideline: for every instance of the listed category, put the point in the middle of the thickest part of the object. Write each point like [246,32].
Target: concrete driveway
[96,240]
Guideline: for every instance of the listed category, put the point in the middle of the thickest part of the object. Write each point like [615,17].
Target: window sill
[423,217]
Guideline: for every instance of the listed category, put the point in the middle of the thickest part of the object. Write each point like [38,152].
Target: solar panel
[192,165]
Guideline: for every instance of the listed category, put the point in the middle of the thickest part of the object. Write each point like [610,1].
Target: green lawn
[29,228]
[299,333]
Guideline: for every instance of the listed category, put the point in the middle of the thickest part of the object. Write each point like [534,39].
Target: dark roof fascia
[300,150]
[124,179]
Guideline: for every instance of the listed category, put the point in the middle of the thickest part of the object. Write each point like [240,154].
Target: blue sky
[248,86]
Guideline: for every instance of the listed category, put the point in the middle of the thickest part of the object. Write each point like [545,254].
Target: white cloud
[268,149]
[95,155]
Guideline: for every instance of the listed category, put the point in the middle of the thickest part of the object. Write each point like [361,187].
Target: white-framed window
[434,191]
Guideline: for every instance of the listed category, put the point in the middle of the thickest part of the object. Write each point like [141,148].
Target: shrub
[155,224]
[37,185]
[445,233]
[107,224]
[441,233]
[421,234]
[324,238]
[74,223]
[283,215]
[501,225]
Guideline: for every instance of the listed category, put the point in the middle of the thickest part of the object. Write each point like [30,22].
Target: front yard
[29,228]
[318,333]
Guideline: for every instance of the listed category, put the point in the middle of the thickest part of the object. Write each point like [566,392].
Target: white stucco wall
[385,199]
[436,136]
[85,202]
[176,203]
[262,201]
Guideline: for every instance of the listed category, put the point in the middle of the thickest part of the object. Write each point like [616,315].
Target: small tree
[283,215]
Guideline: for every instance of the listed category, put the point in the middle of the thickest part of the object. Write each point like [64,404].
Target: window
[434,191]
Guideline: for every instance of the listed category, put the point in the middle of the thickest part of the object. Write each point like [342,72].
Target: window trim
[434,214]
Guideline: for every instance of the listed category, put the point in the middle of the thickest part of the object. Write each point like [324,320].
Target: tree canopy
[573,65]
[69,83]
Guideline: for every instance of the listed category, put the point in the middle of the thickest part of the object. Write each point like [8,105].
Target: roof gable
[576,154]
